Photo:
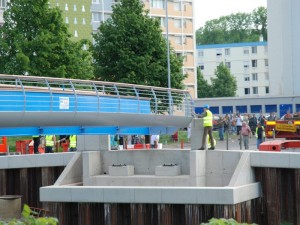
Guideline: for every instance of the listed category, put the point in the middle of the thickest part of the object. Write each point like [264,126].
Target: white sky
[212,9]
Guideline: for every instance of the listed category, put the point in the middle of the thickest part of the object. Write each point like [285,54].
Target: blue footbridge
[42,105]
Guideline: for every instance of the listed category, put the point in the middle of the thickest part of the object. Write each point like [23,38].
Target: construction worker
[36,143]
[73,143]
[50,142]
[207,124]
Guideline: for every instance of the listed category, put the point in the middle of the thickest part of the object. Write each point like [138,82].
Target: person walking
[207,124]
[36,143]
[73,143]
[239,122]
[259,134]
[246,133]
[221,124]
[50,142]
[253,123]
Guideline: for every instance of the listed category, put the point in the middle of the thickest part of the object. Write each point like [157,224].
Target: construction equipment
[289,129]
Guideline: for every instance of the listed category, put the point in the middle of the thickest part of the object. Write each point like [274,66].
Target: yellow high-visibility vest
[73,141]
[49,140]
[208,119]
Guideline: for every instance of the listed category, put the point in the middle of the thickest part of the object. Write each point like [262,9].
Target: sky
[212,9]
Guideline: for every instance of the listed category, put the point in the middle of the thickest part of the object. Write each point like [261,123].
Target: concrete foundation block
[10,206]
[167,170]
[121,170]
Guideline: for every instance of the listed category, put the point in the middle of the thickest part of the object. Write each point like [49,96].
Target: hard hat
[206,106]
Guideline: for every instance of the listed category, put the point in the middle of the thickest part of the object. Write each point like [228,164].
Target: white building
[284,46]
[248,62]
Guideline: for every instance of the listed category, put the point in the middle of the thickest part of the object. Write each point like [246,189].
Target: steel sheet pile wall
[280,202]
[281,191]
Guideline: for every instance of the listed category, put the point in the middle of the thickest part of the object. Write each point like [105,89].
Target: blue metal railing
[27,93]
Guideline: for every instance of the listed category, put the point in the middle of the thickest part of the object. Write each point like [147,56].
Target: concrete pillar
[196,133]
[93,142]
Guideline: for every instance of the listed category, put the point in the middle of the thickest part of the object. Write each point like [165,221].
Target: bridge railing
[27,93]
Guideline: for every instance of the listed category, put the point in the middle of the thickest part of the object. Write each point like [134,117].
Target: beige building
[181,33]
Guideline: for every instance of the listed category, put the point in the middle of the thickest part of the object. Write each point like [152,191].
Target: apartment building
[247,62]
[2,8]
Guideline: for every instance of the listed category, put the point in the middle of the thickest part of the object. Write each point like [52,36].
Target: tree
[224,85]
[203,88]
[234,28]
[35,41]
[130,48]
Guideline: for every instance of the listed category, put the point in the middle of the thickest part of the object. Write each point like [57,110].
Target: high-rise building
[284,47]
[179,16]
[247,62]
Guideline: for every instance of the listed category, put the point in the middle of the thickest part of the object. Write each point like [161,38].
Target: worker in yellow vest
[207,124]
[73,143]
[50,143]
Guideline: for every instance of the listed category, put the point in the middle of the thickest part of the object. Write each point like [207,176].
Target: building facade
[284,46]
[247,62]
[84,18]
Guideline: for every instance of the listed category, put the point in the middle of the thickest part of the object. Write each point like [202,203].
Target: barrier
[3,145]
[22,146]
[278,145]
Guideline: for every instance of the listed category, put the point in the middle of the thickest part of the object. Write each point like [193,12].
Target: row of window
[227,51]
[245,64]
[161,4]
[74,7]
[255,91]
[2,4]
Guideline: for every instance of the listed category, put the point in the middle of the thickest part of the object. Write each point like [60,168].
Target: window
[247,91]
[255,90]
[246,64]
[228,64]
[254,63]
[162,21]
[83,21]
[96,17]
[75,33]
[67,20]
[200,53]
[83,8]
[75,8]
[95,1]
[177,23]
[219,52]
[246,51]
[267,90]
[266,62]
[247,78]
[266,76]
[254,76]
[66,7]
[158,4]
[254,49]
[201,66]
[2,4]
[177,6]
[227,51]
[178,40]
[75,20]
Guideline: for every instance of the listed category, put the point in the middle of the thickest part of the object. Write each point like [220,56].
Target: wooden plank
[3,183]
[297,197]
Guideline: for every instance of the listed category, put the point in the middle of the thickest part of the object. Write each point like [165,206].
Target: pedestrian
[207,124]
[246,134]
[36,143]
[233,124]
[259,134]
[272,117]
[262,119]
[154,141]
[50,142]
[221,124]
[239,122]
[253,123]
[73,143]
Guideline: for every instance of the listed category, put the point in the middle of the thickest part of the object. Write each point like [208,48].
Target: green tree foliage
[130,48]
[223,221]
[204,89]
[224,85]
[36,41]
[234,28]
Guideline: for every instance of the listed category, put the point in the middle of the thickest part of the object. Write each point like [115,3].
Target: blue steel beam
[86,130]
